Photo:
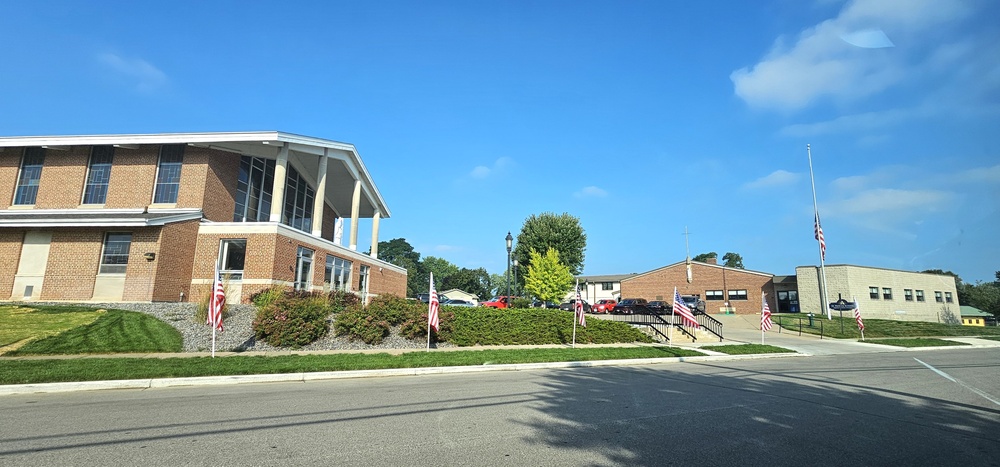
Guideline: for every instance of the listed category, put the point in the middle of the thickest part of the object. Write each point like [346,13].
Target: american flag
[765,315]
[682,309]
[580,316]
[432,307]
[216,302]
[857,317]
[818,231]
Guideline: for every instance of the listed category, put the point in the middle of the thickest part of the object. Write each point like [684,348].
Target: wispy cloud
[774,179]
[141,73]
[590,192]
[825,61]
[499,166]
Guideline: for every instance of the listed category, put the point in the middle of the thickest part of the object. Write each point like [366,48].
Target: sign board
[842,305]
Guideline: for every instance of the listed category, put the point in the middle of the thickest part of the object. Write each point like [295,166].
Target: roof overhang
[266,144]
[47,218]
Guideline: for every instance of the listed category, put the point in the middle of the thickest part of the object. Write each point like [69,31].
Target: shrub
[416,328]
[535,326]
[293,320]
[267,296]
[520,302]
[373,323]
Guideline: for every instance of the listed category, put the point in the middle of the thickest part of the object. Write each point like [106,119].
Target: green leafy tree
[399,252]
[704,257]
[474,281]
[442,269]
[498,285]
[983,295]
[548,278]
[733,260]
[545,231]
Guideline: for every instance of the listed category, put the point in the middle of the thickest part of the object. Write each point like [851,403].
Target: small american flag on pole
[216,303]
[432,307]
[857,317]
[818,233]
[580,316]
[682,309]
[765,315]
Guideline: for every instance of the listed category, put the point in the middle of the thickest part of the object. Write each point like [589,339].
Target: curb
[17,389]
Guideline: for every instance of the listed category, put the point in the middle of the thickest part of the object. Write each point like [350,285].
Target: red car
[603,306]
[497,302]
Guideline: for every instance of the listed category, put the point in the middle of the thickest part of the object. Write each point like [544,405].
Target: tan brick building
[723,289]
[148,217]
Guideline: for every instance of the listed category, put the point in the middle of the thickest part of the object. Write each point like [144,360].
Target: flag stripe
[765,315]
[818,234]
[682,309]
[432,307]
[216,303]
[581,317]
[857,317]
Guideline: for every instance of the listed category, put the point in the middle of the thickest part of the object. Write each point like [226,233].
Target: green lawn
[992,338]
[99,369]
[113,331]
[21,324]
[747,349]
[917,342]
[875,328]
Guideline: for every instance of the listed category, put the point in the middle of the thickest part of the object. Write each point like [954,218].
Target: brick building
[723,289]
[148,217]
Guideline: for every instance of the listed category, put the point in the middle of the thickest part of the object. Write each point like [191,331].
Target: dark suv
[632,306]
[570,306]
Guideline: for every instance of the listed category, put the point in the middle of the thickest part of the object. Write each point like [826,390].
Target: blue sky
[640,118]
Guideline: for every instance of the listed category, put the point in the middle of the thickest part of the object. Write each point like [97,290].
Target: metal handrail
[710,324]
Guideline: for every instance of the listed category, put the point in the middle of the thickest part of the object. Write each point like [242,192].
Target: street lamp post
[510,241]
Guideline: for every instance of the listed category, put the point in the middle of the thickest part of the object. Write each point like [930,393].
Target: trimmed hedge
[489,326]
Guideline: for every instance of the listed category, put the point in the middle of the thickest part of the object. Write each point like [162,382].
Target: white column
[319,202]
[375,219]
[278,189]
[355,212]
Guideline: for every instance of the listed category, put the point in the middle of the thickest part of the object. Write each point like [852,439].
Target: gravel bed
[238,331]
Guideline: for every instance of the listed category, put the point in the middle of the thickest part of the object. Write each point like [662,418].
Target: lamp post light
[510,241]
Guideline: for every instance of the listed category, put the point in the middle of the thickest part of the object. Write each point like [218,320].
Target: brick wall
[659,285]
[10,251]
[10,165]
[63,177]
[175,260]
[133,174]
[221,178]
[141,274]
[74,257]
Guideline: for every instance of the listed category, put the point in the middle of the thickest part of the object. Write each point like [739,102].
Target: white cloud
[820,63]
[590,192]
[774,179]
[893,202]
[980,175]
[146,76]
[499,167]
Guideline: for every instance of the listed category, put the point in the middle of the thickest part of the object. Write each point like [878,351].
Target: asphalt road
[867,409]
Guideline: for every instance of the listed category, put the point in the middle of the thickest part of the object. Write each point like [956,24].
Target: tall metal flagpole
[575,316]
[211,306]
[822,261]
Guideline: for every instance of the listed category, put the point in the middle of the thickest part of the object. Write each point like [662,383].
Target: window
[232,257]
[253,190]
[714,295]
[920,295]
[947,297]
[338,273]
[303,269]
[168,174]
[908,293]
[31,173]
[114,259]
[886,293]
[363,283]
[737,295]
[298,202]
[98,175]
[937,297]
[607,285]
[873,293]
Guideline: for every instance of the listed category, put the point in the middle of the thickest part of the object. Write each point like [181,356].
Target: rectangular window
[338,273]
[298,202]
[98,175]
[114,259]
[31,173]
[232,258]
[938,298]
[947,297]
[607,285]
[737,295]
[908,293]
[920,295]
[714,295]
[168,174]
[873,293]
[363,283]
[886,293]
[253,190]
[303,269]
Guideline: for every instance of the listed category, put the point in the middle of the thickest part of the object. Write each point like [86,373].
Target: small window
[303,269]
[947,297]
[98,175]
[232,257]
[168,174]
[114,259]
[920,295]
[714,295]
[938,298]
[338,273]
[908,294]
[873,293]
[737,295]
[607,285]
[886,293]
[31,173]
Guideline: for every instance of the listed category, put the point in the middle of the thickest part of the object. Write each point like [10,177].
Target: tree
[442,269]
[984,296]
[399,252]
[547,278]
[498,285]
[561,233]
[733,260]
[474,281]
[704,257]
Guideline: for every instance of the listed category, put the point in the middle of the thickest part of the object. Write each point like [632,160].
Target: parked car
[660,307]
[497,302]
[426,297]
[604,305]
[457,302]
[632,306]
[571,305]
[695,304]
[545,304]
